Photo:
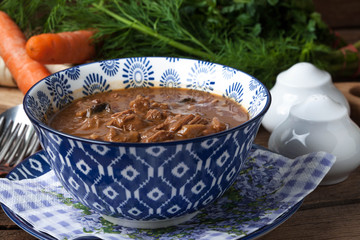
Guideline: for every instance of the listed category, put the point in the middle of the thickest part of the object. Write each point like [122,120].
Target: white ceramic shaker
[320,124]
[295,85]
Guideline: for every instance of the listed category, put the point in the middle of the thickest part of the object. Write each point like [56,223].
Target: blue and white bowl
[147,185]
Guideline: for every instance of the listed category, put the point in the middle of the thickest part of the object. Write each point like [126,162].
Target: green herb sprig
[261,37]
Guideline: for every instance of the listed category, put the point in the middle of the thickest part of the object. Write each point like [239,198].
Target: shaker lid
[319,107]
[303,75]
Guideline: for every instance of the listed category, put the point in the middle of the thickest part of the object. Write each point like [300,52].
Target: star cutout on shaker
[300,137]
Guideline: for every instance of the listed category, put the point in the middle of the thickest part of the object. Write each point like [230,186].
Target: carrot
[59,48]
[24,70]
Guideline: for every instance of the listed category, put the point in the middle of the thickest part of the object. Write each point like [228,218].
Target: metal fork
[17,137]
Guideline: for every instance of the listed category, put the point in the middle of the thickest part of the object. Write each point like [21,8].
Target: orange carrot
[59,48]
[24,70]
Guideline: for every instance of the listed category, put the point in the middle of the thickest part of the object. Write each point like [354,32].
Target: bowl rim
[42,125]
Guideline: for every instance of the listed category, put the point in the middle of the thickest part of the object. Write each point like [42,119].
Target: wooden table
[330,212]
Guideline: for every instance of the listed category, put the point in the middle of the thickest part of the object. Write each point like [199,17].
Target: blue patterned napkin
[268,187]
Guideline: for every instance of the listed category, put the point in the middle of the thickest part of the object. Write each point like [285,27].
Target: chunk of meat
[154,114]
[159,105]
[179,120]
[187,100]
[157,136]
[198,120]
[217,125]
[93,107]
[90,123]
[191,131]
[140,104]
[97,108]
[127,120]
[115,135]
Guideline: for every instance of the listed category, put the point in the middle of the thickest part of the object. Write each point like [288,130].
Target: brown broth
[148,115]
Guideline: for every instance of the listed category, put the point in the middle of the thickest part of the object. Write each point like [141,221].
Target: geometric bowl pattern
[146,181]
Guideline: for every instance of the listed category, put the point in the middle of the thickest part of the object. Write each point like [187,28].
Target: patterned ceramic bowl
[147,185]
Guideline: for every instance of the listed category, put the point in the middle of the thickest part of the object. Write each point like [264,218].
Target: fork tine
[6,133]
[16,141]
[9,144]
[2,123]
[16,147]
[18,138]
[34,146]
[2,129]
[29,148]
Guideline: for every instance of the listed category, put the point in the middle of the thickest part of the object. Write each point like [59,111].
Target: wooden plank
[262,137]
[336,222]
[15,235]
[339,13]
[346,192]
[351,91]
[9,97]
[350,36]
[5,221]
